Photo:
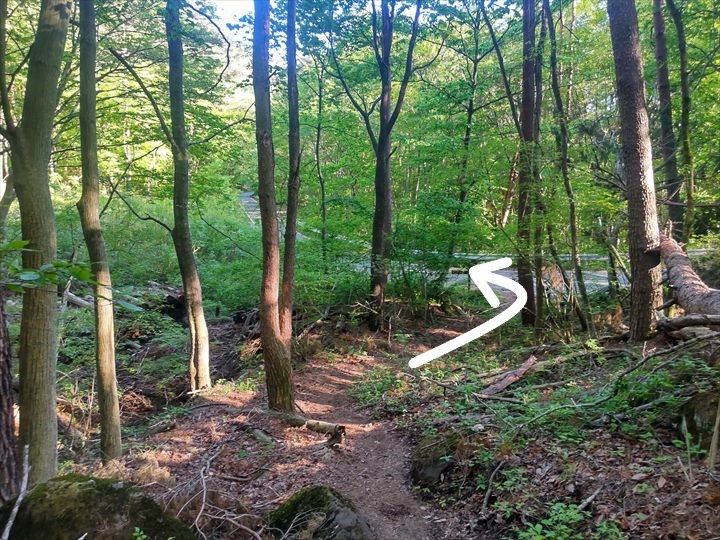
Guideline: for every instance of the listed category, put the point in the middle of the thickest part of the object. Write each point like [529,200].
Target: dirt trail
[371,468]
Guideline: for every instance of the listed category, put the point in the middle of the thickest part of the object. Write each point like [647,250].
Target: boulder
[433,457]
[75,506]
[319,513]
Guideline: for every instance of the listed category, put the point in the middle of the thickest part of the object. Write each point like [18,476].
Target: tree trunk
[9,462]
[293,189]
[526,159]
[31,146]
[88,207]
[562,142]
[693,295]
[199,362]
[643,232]
[318,164]
[686,152]
[278,369]
[538,208]
[673,182]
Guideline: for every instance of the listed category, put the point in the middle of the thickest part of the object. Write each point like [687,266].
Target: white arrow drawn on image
[482,275]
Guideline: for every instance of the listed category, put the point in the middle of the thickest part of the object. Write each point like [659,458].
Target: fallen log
[696,319]
[510,377]
[691,292]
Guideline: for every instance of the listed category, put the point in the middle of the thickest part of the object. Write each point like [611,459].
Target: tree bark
[538,208]
[526,159]
[668,146]
[562,143]
[199,361]
[9,456]
[293,189]
[278,369]
[88,207]
[691,293]
[31,146]
[686,152]
[643,231]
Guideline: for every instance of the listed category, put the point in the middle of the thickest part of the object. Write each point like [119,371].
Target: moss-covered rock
[432,458]
[68,507]
[319,513]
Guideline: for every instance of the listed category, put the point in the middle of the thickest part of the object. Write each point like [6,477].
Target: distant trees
[276,352]
[643,231]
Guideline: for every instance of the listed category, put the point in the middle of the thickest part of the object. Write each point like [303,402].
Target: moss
[68,507]
[432,457]
[338,516]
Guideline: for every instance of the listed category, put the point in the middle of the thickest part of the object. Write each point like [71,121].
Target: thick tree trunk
[293,189]
[278,369]
[562,142]
[686,152]
[199,362]
[88,207]
[31,147]
[668,146]
[9,462]
[643,232]
[689,290]
[526,159]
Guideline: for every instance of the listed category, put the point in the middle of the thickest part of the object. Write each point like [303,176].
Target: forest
[359,269]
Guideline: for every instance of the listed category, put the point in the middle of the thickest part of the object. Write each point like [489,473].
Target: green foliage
[561,523]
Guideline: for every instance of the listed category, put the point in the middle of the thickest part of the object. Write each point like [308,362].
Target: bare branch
[408,65]
[227,48]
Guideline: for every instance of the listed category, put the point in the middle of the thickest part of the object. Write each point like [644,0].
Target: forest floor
[535,462]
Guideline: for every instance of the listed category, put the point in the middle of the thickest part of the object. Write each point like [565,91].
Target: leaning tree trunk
[278,369]
[88,206]
[686,152]
[31,146]
[199,362]
[673,182]
[293,189]
[643,231]
[525,177]
[9,463]
[689,291]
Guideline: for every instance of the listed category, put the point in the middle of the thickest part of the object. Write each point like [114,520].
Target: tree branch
[408,65]
[148,95]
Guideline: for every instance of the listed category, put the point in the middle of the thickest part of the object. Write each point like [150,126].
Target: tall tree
[30,143]
[686,152]
[562,142]
[88,206]
[527,153]
[9,463]
[643,231]
[199,362]
[278,369]
[383,28]
[293,189]
[668,146]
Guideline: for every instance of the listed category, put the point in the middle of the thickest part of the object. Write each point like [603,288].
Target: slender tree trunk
[318,165]
[88,207]
[199,362]
[686,152]
[526,159]
[293,190]
[31,146]
[538,208]
[668,146]
[562,142]
[9,463]
[8,192]
[278,369]
[643,231]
